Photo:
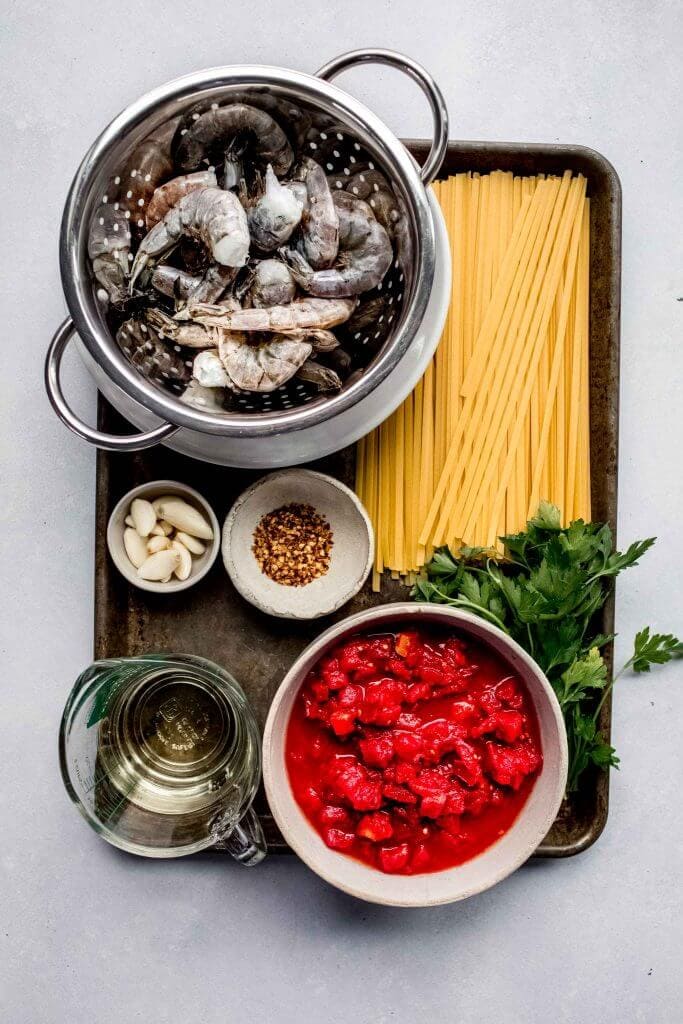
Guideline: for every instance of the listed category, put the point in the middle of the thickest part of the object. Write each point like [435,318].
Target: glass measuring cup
[162,756]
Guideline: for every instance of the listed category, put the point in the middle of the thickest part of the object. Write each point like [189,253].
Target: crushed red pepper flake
[292,545]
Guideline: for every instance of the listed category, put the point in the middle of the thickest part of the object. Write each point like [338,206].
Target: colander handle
[109,442]
[418,74]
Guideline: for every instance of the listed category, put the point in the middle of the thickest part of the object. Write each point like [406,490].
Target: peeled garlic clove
[185,567]
[191,543]
[129,522]
[160,501]
[136,549]
[159,565]
[166,527]
[184,517]
[144,517]
[157,544]
[157,531]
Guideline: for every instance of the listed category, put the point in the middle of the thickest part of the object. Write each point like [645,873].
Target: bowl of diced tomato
[414,755]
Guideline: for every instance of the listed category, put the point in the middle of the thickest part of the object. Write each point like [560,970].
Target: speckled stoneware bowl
[151,490]
[351,558]
[431,888]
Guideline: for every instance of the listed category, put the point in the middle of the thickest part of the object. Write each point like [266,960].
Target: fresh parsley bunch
[545,594]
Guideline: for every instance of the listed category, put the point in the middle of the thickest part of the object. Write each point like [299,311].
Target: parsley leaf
[654,650]
[545,593]
[617,561]
[547,517]
[582,676]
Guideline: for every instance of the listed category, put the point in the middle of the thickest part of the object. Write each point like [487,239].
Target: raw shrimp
[365,254]
[166,196]
[213,284]
[363,183]
[320,376]
[297,316]
[276,214]
[299,191]
[109,249]
[339,360]
[295,121]
[320,221]
[367,315]
[210,215]
[372,186]
[148,165]
[322,341]
[214,129]
[173,282]
[178,284]
[208,369]
[199,397]
[263,366]
[272,285]
[190,335]
[233,165]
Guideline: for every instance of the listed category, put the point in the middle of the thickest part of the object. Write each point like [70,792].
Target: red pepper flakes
[292,545]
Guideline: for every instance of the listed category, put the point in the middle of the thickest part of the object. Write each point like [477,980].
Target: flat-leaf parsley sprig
[545,594]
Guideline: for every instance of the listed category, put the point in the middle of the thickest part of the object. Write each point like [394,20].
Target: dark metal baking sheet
[212,619]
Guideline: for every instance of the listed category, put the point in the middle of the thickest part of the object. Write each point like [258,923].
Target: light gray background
[89,934]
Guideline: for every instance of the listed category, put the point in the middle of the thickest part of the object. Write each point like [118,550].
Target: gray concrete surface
[88,934]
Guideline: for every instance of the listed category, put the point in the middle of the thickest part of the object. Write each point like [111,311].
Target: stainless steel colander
[295,422]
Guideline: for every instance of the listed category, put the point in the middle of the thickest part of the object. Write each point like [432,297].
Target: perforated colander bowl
[344,137]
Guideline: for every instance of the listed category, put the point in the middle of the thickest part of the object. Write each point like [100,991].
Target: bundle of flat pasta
[500,418]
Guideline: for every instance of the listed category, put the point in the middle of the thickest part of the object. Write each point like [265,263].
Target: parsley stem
[608,689]
[461,602]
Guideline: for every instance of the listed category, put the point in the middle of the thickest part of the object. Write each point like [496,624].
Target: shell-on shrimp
[167,195]
[214,129]
[365,254]
[178,284]
[372,186]
[188,334]
[275,215]
[148,165]
[366,315]
[199,397]
[319,240]
[173,282]
[292,119]
[339,360]
[321,340]
[299,191]
[272,284]
[212,216]
[262,366]
[320,376]
[208,369]
[297,316]
[108,249]
[233,165]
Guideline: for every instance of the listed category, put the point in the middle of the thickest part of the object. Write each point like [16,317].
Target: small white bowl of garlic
[163,536]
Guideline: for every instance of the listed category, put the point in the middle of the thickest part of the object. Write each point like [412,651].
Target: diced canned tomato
[412,752]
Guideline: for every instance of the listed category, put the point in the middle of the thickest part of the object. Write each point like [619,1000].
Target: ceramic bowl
[154,489]
[352,552]
[451,884]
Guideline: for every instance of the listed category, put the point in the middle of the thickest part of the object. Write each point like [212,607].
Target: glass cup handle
[244,841]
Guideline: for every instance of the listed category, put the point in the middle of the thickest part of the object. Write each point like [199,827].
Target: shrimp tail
[300,268]
[320,376]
